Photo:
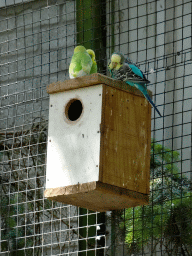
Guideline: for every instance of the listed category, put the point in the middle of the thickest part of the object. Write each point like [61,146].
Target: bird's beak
[112,65]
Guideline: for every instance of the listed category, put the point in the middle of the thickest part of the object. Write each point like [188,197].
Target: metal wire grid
[37,41]
[35,45]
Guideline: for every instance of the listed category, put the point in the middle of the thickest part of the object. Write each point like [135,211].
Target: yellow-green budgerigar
[94,65]
[81,63]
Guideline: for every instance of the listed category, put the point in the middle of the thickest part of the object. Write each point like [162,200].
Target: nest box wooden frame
[121,136]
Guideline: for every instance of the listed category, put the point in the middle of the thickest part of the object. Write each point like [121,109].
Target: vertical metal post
[113,214]
[91,33]
[91,28]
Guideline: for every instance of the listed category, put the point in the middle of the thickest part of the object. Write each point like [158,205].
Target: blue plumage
[131,74]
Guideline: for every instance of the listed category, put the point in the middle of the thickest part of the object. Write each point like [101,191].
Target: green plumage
[94,64]
[81,63]
[93,68]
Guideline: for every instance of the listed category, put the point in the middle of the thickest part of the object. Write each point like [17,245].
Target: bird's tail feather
[151,102]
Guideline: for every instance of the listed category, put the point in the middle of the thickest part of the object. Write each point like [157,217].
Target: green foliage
[167,220]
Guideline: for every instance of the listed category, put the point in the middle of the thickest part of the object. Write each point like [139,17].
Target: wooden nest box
[99,137]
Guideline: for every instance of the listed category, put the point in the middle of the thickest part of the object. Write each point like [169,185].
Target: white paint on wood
[74,147]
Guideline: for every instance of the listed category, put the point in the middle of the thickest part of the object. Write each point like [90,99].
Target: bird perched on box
[81,63]
[94,65]
[125,70]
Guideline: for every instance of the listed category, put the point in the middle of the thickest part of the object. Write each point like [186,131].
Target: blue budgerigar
[125,70]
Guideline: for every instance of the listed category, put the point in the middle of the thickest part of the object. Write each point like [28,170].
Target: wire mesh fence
[37,39]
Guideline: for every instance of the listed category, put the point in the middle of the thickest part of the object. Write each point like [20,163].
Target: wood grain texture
[97,196]
[124,163]
[125,145]
[92,80]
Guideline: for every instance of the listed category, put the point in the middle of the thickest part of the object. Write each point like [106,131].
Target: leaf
[169,200]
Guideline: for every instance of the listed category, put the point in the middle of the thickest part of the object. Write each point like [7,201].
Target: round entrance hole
[74,109]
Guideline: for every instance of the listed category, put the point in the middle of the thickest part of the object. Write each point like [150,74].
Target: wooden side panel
[125,140]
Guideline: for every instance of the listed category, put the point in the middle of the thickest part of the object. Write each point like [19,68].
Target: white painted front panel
[73,147]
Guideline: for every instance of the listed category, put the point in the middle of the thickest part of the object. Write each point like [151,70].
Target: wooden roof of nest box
[99,137]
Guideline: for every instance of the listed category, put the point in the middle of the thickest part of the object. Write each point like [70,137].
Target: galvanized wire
[37,39]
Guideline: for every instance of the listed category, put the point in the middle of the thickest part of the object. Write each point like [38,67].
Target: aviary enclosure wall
[37,39]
